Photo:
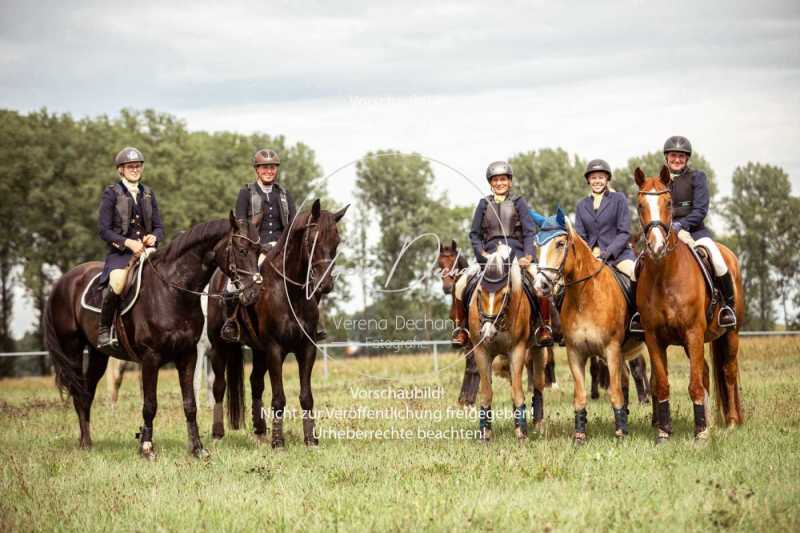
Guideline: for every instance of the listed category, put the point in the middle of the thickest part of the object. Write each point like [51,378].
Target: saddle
[92,297]
[527,286]
[703,258]
[626,285]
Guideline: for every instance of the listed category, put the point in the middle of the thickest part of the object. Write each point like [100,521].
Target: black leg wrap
[663,417]
[621,420]
[537,406]
[580,421]
[485,418]
[521,418]
[625,396]
[145,434]
[699,418]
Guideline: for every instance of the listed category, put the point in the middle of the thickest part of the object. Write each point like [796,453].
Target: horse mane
[462,263]
[197,234]
[324,225]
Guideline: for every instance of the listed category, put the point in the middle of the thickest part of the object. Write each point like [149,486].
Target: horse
[500,324]
[283,320]
[638,370]
[163,325]
[677,308]
[594,315]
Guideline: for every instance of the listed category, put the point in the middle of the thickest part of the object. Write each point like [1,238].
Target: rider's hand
[137,247]
[686,237]
[525,261]
[149,240]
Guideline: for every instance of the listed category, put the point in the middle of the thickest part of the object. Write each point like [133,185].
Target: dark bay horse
[674,301]
[500,325]
[296,271]
[163,326]
[452,265]
[594,315]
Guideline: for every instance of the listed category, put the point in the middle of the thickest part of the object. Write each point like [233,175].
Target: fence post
[325,362]
[436,359]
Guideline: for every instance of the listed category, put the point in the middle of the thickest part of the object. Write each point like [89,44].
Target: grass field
[746,479]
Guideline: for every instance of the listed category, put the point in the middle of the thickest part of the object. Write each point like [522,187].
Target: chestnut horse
[594,315]
[673,301]
[452,265]
[500,324]
[296,271]
[163,326]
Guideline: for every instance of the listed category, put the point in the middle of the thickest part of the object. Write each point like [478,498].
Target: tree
[548,178]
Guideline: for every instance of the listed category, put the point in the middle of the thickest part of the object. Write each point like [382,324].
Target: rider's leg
[625,266]
[111,296]
[727,316]
[459,311]
[543,334]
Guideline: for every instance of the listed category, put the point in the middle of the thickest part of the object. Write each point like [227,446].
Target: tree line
[53,169]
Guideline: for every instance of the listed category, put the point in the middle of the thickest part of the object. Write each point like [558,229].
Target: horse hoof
[521,435]
[312,442]
[620,435]
[147,451]
[662,438]
[261,438]
[702,436]
[278,444]
[579,439]
[86,445]
[201,453]
[644,400]
[485,435]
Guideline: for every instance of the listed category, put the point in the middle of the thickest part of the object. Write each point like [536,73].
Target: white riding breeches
[718,262]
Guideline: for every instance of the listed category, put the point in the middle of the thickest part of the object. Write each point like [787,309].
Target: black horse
[164,325]
[296,272]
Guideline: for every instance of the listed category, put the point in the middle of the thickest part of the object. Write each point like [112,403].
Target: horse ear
[234,222]
[537,218]
[454,245]
[665,175]
[316,209]
[638,177]
[561,217]
[337,216]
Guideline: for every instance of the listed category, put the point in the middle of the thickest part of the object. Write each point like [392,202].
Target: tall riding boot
[635,325]
[107,310]
[543,336]
[727,316]
[460,334]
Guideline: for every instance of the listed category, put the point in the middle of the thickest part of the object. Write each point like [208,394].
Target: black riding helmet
[597,165]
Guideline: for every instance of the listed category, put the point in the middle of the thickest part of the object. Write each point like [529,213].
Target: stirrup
[231,332]
[727,324]
[548,336]
[107,342]
[635,325]
[455,341]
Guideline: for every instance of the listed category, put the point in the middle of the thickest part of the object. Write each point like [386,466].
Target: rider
[510,223]
[690,199]
[130,222]
[603,220]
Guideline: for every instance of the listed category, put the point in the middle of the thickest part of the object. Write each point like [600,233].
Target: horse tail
[234,370]
[69,377]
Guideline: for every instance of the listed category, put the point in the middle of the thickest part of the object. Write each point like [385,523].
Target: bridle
[308,254]
[498,318]
[555,276]
[666,228]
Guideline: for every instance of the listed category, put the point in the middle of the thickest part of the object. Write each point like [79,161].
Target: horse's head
[448,260]
[553,242]
[655,210]
[237,257]
[494,292]
[320,241]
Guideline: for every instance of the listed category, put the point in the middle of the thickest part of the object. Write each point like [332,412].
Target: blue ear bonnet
[549,227]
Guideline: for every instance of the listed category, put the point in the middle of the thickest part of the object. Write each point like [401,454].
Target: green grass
[745,479]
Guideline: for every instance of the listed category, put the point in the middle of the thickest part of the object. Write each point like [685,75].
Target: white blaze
[655,216]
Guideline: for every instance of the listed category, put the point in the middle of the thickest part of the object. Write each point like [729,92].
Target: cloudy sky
[460,82]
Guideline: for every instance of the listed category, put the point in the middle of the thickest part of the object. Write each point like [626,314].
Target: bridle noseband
[234,270]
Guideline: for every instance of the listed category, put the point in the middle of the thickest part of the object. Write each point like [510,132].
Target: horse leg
[697,391]
[577,366]
[470,383]
[725,352]
[537,362]
[484,364]
[305,364]
[550,368]
[518,357]
[114,380]
[218,364]
[185,365]
[97,367]
[274,358]
[594,372]
[257,392]
[639,370]
[660,387]
[149,408]
[618,397]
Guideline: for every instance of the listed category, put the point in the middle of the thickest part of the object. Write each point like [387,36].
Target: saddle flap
[703,257]
[626,285]
[92,297]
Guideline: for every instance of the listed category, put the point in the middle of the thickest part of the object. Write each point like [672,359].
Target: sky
[464,83]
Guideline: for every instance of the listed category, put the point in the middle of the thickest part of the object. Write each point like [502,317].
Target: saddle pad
[92,297]
[703,258]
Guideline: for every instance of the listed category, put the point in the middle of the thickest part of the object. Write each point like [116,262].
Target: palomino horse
[594,314]
[296,271]
[500,324]
[677,309]
[452,265]
[163,326]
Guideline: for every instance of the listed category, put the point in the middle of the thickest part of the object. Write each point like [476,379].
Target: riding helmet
[498,168]
[678,143]
[128,154]
[596,165]
[265,156]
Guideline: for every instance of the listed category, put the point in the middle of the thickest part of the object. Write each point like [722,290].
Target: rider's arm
[292,208]
[580,229]
[475,236]
[700,201]
[158,228]
[242,204]
[107,208]
[619,243]
[528,227]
